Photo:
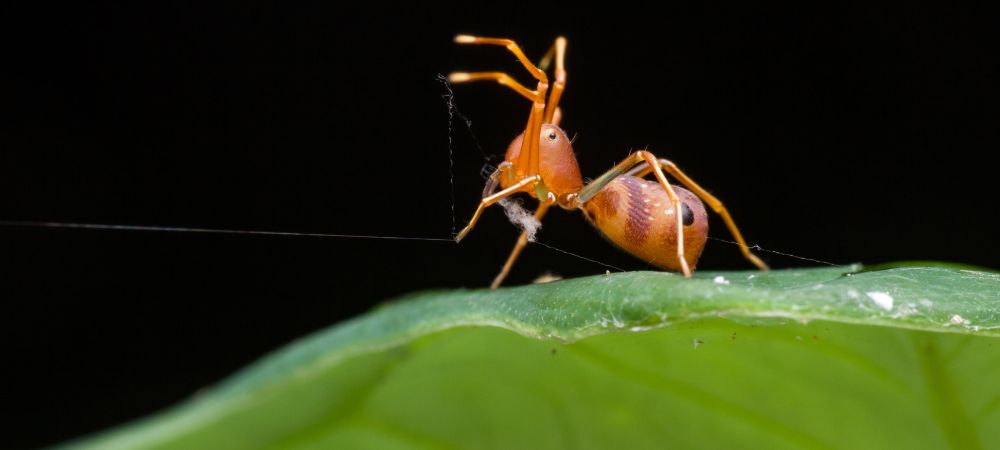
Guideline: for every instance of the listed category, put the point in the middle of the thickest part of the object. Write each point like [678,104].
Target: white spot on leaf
[720,280]
[881,298]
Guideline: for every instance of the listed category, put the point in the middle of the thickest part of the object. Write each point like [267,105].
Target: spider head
[556,161]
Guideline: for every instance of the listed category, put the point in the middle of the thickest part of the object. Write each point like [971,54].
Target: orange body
[633,213]
[637,216]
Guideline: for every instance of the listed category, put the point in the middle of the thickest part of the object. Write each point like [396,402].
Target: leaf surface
[894,357]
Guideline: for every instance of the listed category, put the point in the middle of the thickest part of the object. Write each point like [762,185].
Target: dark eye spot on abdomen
[688,214]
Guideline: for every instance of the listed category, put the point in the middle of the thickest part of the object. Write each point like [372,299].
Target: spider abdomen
[636,215]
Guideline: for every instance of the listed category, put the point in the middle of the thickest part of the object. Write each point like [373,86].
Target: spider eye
[552,135]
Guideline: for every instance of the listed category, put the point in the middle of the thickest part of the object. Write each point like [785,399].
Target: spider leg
[539,74]
[716,206]
[499,77]
[622,169]
[518,246]
[487,201]
[625,167]
[710,199]
[527,162]
[557,116]
[558,50]
[676,201]
[639,171]
[494,180]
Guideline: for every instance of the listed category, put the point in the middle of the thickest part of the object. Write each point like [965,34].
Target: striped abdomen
[637,215]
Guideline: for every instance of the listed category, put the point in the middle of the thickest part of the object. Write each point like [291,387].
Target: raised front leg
[552,112]
[527,162]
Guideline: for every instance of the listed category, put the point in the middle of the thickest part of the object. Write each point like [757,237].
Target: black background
[848,134]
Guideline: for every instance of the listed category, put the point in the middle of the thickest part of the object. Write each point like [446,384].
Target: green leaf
[904,357]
